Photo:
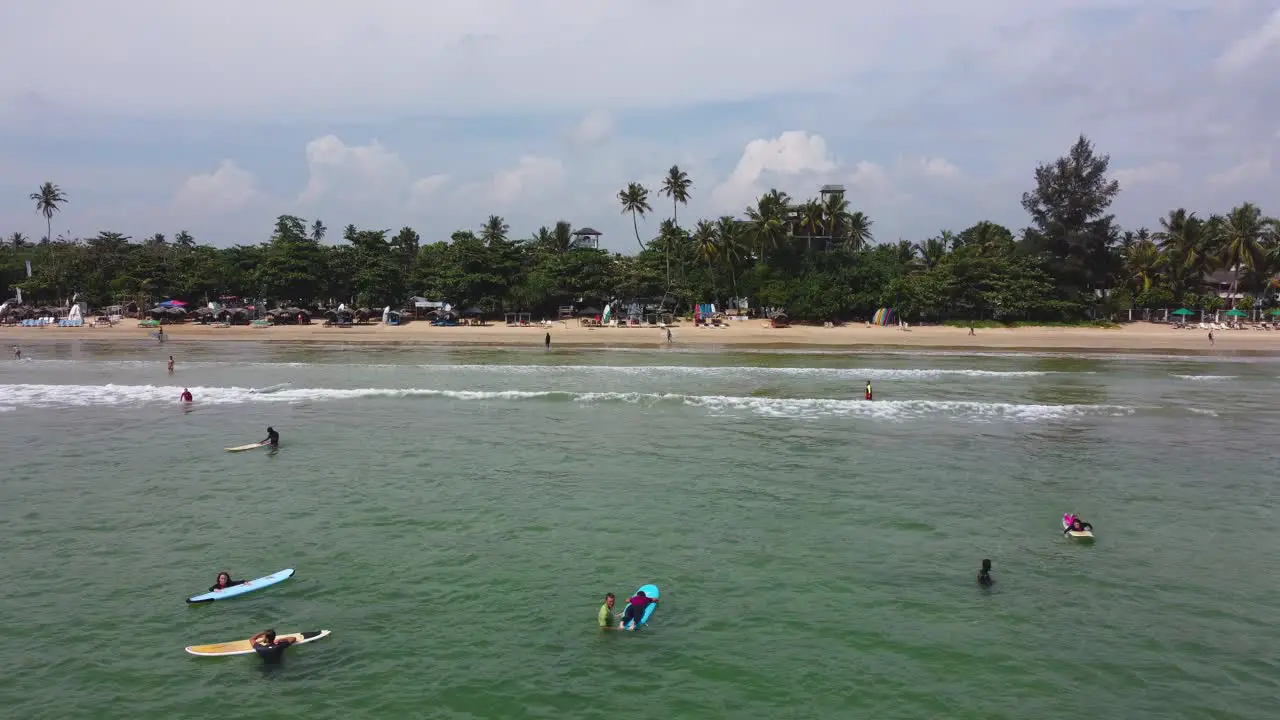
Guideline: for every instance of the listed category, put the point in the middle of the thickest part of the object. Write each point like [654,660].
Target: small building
[586,238]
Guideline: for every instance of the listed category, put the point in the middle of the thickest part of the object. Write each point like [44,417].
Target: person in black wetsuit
[224,581]
[273,438]
[268,647]
[984,575]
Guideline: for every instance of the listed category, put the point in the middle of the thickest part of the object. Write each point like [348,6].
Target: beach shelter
[1235,312]
[1183,313]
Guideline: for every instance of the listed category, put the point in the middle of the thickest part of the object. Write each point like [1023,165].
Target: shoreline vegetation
[740,335]
[814,261]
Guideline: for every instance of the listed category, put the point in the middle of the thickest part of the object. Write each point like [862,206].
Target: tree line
[816,258]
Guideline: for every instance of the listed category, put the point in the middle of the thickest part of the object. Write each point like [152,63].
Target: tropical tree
[767,221]
[49,199]
[1243,234]
[318,230]
[729,238]
[635,200]
[495,230]
[706,246]
[859,234]
[676,186]
[17,240]
[184,240]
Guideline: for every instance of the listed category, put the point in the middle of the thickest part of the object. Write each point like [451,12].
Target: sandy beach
[751,334]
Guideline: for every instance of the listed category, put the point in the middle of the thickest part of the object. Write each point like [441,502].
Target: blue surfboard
[248,587]
[650,591]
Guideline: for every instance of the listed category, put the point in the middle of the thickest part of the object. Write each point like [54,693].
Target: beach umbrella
[1183,311]
[1276,311]
[172,304]
[1233,312]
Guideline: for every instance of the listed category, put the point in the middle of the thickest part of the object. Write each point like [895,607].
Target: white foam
[1207,378]
[50,396]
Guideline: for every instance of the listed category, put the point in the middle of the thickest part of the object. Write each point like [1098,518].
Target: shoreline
[1135,338]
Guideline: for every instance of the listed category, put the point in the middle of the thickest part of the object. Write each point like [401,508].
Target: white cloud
[531,177]
[1246,172]
[1157,172]
[353,173]
[226,188]
[793,155]
[935,168]
[595,128]
[1253,47]
[425,190]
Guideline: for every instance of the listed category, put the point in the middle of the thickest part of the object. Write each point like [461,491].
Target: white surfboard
[242,448]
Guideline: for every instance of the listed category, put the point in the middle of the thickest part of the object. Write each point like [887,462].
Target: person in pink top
[636,607]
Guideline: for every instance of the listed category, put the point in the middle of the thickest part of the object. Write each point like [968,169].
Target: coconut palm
[767,221]
[635,200]
[184,240]
[562,236]
[813,220]
[1190,250]
[495,230]
[17,240]
[859,234]
[49,199]
[931,251]
[836,209]
[1143,262]
[1243,236]
[676,186]
[706,245]
[318,230]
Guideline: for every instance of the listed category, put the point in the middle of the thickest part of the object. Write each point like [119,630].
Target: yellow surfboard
[242,647]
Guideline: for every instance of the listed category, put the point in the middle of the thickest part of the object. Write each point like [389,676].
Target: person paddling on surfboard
[607,616]
[1077,525]
[984,575]
[268,647]
[635,608]
[273,438]
[224,581]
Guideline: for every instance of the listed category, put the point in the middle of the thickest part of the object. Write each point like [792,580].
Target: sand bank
[753,334]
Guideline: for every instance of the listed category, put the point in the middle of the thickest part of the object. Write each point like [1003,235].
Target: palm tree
[859,233]
[495,230]
[184,240]
[49,199]
[562,236]
[157,240]
[1189,250]
[838,216]
[729,234]
[318,230]
[635,200]
[17,241]
[932,251]
[768,221]
[706,245]
[1142,262]
[1243,238]
[676,186]
[813,218]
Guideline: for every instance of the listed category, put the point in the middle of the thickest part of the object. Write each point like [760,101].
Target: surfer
[1077,525]
[224,581]
[635,608]
[186,395]
[868,395]
[984,575]
[273,438]
[170,364]
[268,647]
[607,617]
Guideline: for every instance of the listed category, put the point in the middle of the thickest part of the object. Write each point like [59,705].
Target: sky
[161,116]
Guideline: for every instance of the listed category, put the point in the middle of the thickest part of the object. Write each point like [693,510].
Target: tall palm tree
[813,220]
[767,221]
[706,245]
[836,208]
[635,200]
[676,186]
[1143,262]
[932,251]
[859,233]
[1243,237]
[184,240]
[562,236]
[318,230]
[729,238]
[1189,249]
[49,199]
[495,230]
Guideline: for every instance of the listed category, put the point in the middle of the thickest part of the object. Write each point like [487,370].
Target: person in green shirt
[607,620]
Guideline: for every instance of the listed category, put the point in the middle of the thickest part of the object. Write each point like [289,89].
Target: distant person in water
[1077,525]
[607,617]
[273,438]
[268,647]
[868,395]
[548,341]
[185,396]
[636,607]
[170,363]
[984,575]
[17,353]
[224,581]
[160,333]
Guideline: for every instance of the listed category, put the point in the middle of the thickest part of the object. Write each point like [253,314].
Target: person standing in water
[273,438]
[868,395]
[268,647]
[160,333]
[17,353]
[548,341]
[607,617]
[984,575]
[170,364]
[186,396]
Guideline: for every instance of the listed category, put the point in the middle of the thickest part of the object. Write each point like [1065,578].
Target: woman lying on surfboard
[224,581]
[1077,525]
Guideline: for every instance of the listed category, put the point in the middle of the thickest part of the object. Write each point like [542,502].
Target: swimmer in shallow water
[984,575]
[224,581]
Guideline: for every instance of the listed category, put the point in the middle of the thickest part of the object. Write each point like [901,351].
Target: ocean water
[456,515]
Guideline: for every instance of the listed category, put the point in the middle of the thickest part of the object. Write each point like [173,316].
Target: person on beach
[635,608]
[984,575]
[868,395]
[185,396]
[971,332]
[607,617]
[548,341]
[224,581]
[17,353]
[273,438]
[668,336]
[268,647]
[171,364]
[1210,338]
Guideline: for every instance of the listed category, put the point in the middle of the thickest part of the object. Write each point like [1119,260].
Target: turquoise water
[455,517]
